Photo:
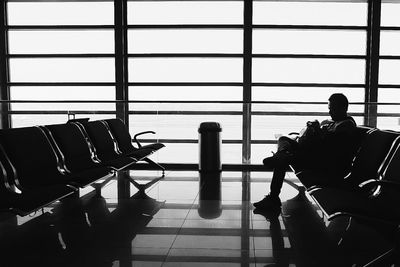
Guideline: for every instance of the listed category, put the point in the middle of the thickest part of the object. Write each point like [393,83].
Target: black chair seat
[312,178]
[139,154]
[32,199]
[119,164]
[154,147]
[88,176]
[336,202]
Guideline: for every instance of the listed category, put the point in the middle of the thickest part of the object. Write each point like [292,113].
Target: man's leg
[271,201]
[277,180]
[285,149]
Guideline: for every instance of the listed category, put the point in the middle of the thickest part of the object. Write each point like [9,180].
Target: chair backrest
[32,156]
[80,120]
[360,134]
[102,140]
[370,158]
[71,142]
[391,171]
[8,172]
[7,182]
[121,134]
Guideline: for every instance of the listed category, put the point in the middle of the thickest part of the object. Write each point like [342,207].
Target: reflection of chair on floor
[96,235]
[127,220]
[76,232]
[19,245]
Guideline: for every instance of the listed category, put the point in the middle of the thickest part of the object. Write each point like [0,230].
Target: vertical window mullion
[372,64]
[4,94]
[247,64]
[121,72]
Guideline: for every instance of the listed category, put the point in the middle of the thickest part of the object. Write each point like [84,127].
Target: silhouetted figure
[327,146]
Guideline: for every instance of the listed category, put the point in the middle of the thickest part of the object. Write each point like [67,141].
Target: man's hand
[314,124]
[325,122]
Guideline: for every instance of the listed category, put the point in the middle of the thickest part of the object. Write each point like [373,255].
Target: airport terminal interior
[154,71]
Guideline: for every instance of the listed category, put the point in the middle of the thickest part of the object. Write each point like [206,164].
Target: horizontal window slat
[86,55]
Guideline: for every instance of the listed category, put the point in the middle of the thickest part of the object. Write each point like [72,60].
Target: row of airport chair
[370,193]
[42,164]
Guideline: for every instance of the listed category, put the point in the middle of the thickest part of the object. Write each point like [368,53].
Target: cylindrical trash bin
[210,146]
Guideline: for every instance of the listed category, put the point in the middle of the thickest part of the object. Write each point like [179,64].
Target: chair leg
[143,187]
[382,259]
[389,257]
[151,162]
[98,186]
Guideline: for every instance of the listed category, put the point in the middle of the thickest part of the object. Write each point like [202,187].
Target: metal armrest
[373,182]
[141,133]
[363,217]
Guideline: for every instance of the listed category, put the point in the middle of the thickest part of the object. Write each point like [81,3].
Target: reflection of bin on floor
[209,147]
[210,206]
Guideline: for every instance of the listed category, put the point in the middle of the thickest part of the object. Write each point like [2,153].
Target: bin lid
[209,126]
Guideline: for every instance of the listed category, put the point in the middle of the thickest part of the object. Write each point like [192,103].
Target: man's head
[338,105]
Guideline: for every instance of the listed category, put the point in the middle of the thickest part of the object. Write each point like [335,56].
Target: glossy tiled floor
[173,225]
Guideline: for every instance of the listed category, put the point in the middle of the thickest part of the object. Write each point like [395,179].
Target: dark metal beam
[120,34]
[4,89]
[372,63]
[247,79]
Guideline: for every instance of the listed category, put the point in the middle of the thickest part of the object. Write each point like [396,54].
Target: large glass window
[65,93]
[294,70]
[185,41]
[185,70]
[54,45]
[322,42]
[201,42]
[302,53]
[185,12]
[390,13]
[62,70]
[310,13]
[61,42]
[60,13]
[187,58]
[389,63]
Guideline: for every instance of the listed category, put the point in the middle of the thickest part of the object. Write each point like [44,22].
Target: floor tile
[201,264]
[171,214]
[224,215]
[138,264]
[219,253]
[153,241]
[173,191]
[157,222]
[207,242]
[230,224]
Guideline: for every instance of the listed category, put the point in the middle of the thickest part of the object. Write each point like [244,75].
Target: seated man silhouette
[326,147]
